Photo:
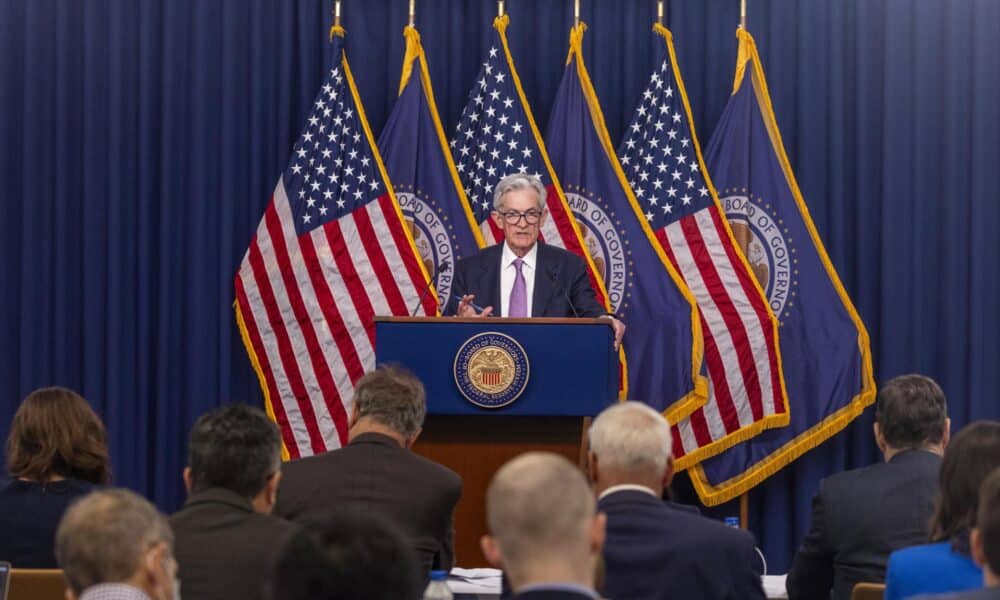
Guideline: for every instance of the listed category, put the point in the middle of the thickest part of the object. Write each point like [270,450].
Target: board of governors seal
[491,369]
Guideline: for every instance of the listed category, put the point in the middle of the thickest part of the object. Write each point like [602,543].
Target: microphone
[444,266]
[552,277]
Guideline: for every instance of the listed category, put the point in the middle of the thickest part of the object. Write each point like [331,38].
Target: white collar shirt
[508,271]
[627,487]
[113,591]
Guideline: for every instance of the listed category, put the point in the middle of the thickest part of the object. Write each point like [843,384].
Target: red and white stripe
[309,304]
[741,353]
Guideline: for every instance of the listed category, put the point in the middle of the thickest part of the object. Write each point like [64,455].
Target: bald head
[540,510]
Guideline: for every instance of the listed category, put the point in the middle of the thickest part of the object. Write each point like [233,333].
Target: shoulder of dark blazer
[906,463]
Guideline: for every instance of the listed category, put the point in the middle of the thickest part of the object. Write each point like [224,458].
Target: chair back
[37,584]
[868,591]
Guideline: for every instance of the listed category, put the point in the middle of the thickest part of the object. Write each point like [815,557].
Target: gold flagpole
[576,12]
[413,13]
[336,13]
[659,12]
[500,8]
[743,14]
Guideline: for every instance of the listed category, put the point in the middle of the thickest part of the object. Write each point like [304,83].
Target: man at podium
[523,277]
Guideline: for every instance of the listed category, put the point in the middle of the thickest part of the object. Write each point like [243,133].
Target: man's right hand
[466,308]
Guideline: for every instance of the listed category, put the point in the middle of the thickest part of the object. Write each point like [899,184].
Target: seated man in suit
[377,474]
[862,516]
[523,277]
[545,532]
[226,538]
[115,544]
[653,549]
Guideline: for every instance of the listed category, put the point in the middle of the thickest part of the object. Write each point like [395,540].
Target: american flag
[330,253]
[663,163]
[497,136]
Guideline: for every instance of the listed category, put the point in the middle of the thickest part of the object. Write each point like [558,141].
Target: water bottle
[438,588]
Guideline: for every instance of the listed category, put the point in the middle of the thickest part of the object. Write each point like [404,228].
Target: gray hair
[518,181]
[538,506]
[394,397]
[102,536]
[631,437]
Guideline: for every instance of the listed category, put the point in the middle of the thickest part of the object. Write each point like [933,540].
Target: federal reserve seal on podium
[491,369]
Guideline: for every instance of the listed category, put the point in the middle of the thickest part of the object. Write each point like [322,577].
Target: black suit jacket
[375,475]
[560,277]
[654,551]
[859,518]
[223,548]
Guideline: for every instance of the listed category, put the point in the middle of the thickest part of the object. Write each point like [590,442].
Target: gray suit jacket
[375,475]
[223,548]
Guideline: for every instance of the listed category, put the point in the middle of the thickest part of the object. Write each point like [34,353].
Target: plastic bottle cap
[439,575]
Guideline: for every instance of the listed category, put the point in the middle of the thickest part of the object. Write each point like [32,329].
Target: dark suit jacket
[859,517]
[558,275]
[375,475]
[654,550]
[223,548]
[29,515]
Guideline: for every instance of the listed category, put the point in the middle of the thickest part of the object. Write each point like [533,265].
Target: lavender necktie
[518,305]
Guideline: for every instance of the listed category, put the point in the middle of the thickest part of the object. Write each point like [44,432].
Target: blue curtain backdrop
[140,141]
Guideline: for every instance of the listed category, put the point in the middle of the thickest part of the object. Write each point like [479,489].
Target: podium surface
[471,367]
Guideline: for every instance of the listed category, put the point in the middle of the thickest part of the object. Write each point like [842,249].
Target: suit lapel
[489,282]
[544,289]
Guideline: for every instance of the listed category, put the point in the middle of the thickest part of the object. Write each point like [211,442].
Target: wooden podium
[566,370]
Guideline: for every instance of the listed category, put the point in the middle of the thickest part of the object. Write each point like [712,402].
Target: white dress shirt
[113,591]
[627,486]
[508,271]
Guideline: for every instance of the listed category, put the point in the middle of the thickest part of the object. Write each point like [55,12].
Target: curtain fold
[141,140]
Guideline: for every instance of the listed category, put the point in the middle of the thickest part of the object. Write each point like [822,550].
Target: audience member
[56,452]
[859,517]
[227,539]
[945,565]
[655,550]
[984,541]
[545,532]
[114,545]
[377,474]
[344,557]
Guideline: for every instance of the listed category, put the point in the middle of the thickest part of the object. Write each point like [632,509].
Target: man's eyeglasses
[513,217]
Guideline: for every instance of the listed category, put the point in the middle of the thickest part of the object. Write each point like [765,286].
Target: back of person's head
[234,447]
[55,433]
[116,536]
[542,519]
[342,557]
[393,397]
[631,440]
[911,412]
[986,535]
[972,455]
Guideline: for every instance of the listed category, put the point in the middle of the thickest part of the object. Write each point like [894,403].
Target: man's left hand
[619,329]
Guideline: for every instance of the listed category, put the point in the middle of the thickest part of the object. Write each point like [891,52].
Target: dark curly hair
[55,433]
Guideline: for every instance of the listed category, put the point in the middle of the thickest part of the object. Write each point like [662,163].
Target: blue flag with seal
[663,342]
[824,345]
[423,175]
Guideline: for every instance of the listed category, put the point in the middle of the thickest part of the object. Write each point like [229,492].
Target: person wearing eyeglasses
[524,277]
